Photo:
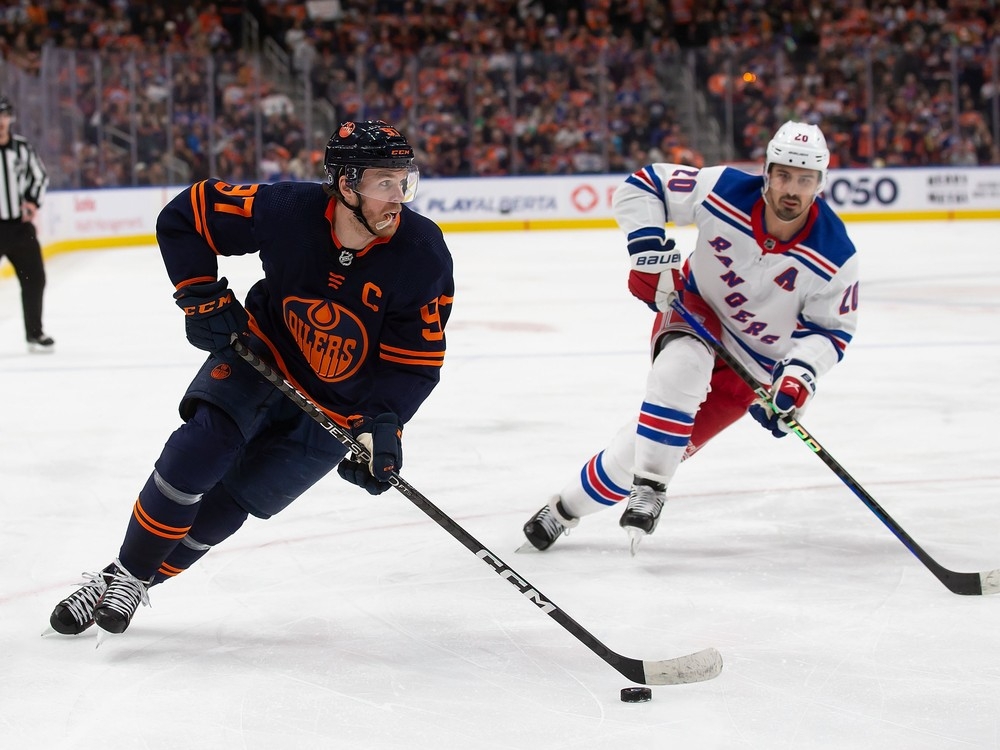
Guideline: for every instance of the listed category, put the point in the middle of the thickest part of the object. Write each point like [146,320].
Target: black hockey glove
[212,314]
[382,436]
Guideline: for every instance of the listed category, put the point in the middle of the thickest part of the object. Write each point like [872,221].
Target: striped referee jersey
[22,177]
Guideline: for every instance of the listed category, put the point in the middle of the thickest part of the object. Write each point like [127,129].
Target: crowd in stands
[497,87]
[928,68]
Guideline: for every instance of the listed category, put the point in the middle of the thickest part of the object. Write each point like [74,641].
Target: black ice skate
[124,595]
[41,344]
[543,528]
[75,613]
[645,501]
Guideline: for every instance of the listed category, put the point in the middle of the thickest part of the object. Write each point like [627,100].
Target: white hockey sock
[677,384]
[605,479]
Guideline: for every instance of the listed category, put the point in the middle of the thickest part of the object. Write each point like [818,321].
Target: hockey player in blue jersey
[773,275]
[351,310]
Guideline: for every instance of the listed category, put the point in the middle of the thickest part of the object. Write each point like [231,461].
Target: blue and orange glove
[212,314]
[382,438]
[793,384]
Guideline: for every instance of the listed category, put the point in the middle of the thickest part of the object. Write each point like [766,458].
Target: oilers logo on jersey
[331,337]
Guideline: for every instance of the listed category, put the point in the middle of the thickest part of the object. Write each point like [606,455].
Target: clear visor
[389,185]
[794,179]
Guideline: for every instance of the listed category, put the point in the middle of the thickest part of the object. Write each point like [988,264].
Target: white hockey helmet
[799,144]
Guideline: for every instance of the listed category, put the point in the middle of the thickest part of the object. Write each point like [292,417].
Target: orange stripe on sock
[169,570]
[163,526]
[154,527]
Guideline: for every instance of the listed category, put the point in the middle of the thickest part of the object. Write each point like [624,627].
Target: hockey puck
[636,694]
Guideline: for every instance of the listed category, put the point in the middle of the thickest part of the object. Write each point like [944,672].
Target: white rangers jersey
[775,299]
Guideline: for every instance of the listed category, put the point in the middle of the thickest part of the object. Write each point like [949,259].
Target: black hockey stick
[987,582]
[703,665]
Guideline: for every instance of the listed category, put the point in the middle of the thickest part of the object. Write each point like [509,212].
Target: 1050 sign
[862,191]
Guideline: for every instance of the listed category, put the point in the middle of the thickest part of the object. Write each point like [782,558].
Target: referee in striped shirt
[22,188]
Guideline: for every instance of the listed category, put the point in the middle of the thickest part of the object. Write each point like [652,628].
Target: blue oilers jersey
[775,299]
[357,330]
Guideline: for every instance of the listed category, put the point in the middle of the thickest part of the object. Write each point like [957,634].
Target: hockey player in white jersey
[773,275]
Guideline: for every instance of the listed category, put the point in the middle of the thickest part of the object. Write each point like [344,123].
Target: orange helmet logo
[346,129]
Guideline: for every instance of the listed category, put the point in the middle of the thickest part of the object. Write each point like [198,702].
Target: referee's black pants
[19,243]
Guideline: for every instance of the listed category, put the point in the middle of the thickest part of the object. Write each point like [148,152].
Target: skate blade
[634,537]
[102,636]
[526,547]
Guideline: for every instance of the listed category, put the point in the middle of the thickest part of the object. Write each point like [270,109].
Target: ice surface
[356,622]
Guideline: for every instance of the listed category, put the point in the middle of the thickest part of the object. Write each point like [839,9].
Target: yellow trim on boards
[91,243]
[97,243]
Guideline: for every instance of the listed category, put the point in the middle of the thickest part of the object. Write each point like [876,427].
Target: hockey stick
[987,582]
[703,665]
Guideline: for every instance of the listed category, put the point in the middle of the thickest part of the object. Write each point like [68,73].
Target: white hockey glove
[792,386]
[655,277]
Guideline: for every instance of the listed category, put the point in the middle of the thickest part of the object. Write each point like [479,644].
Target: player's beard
[788,213]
